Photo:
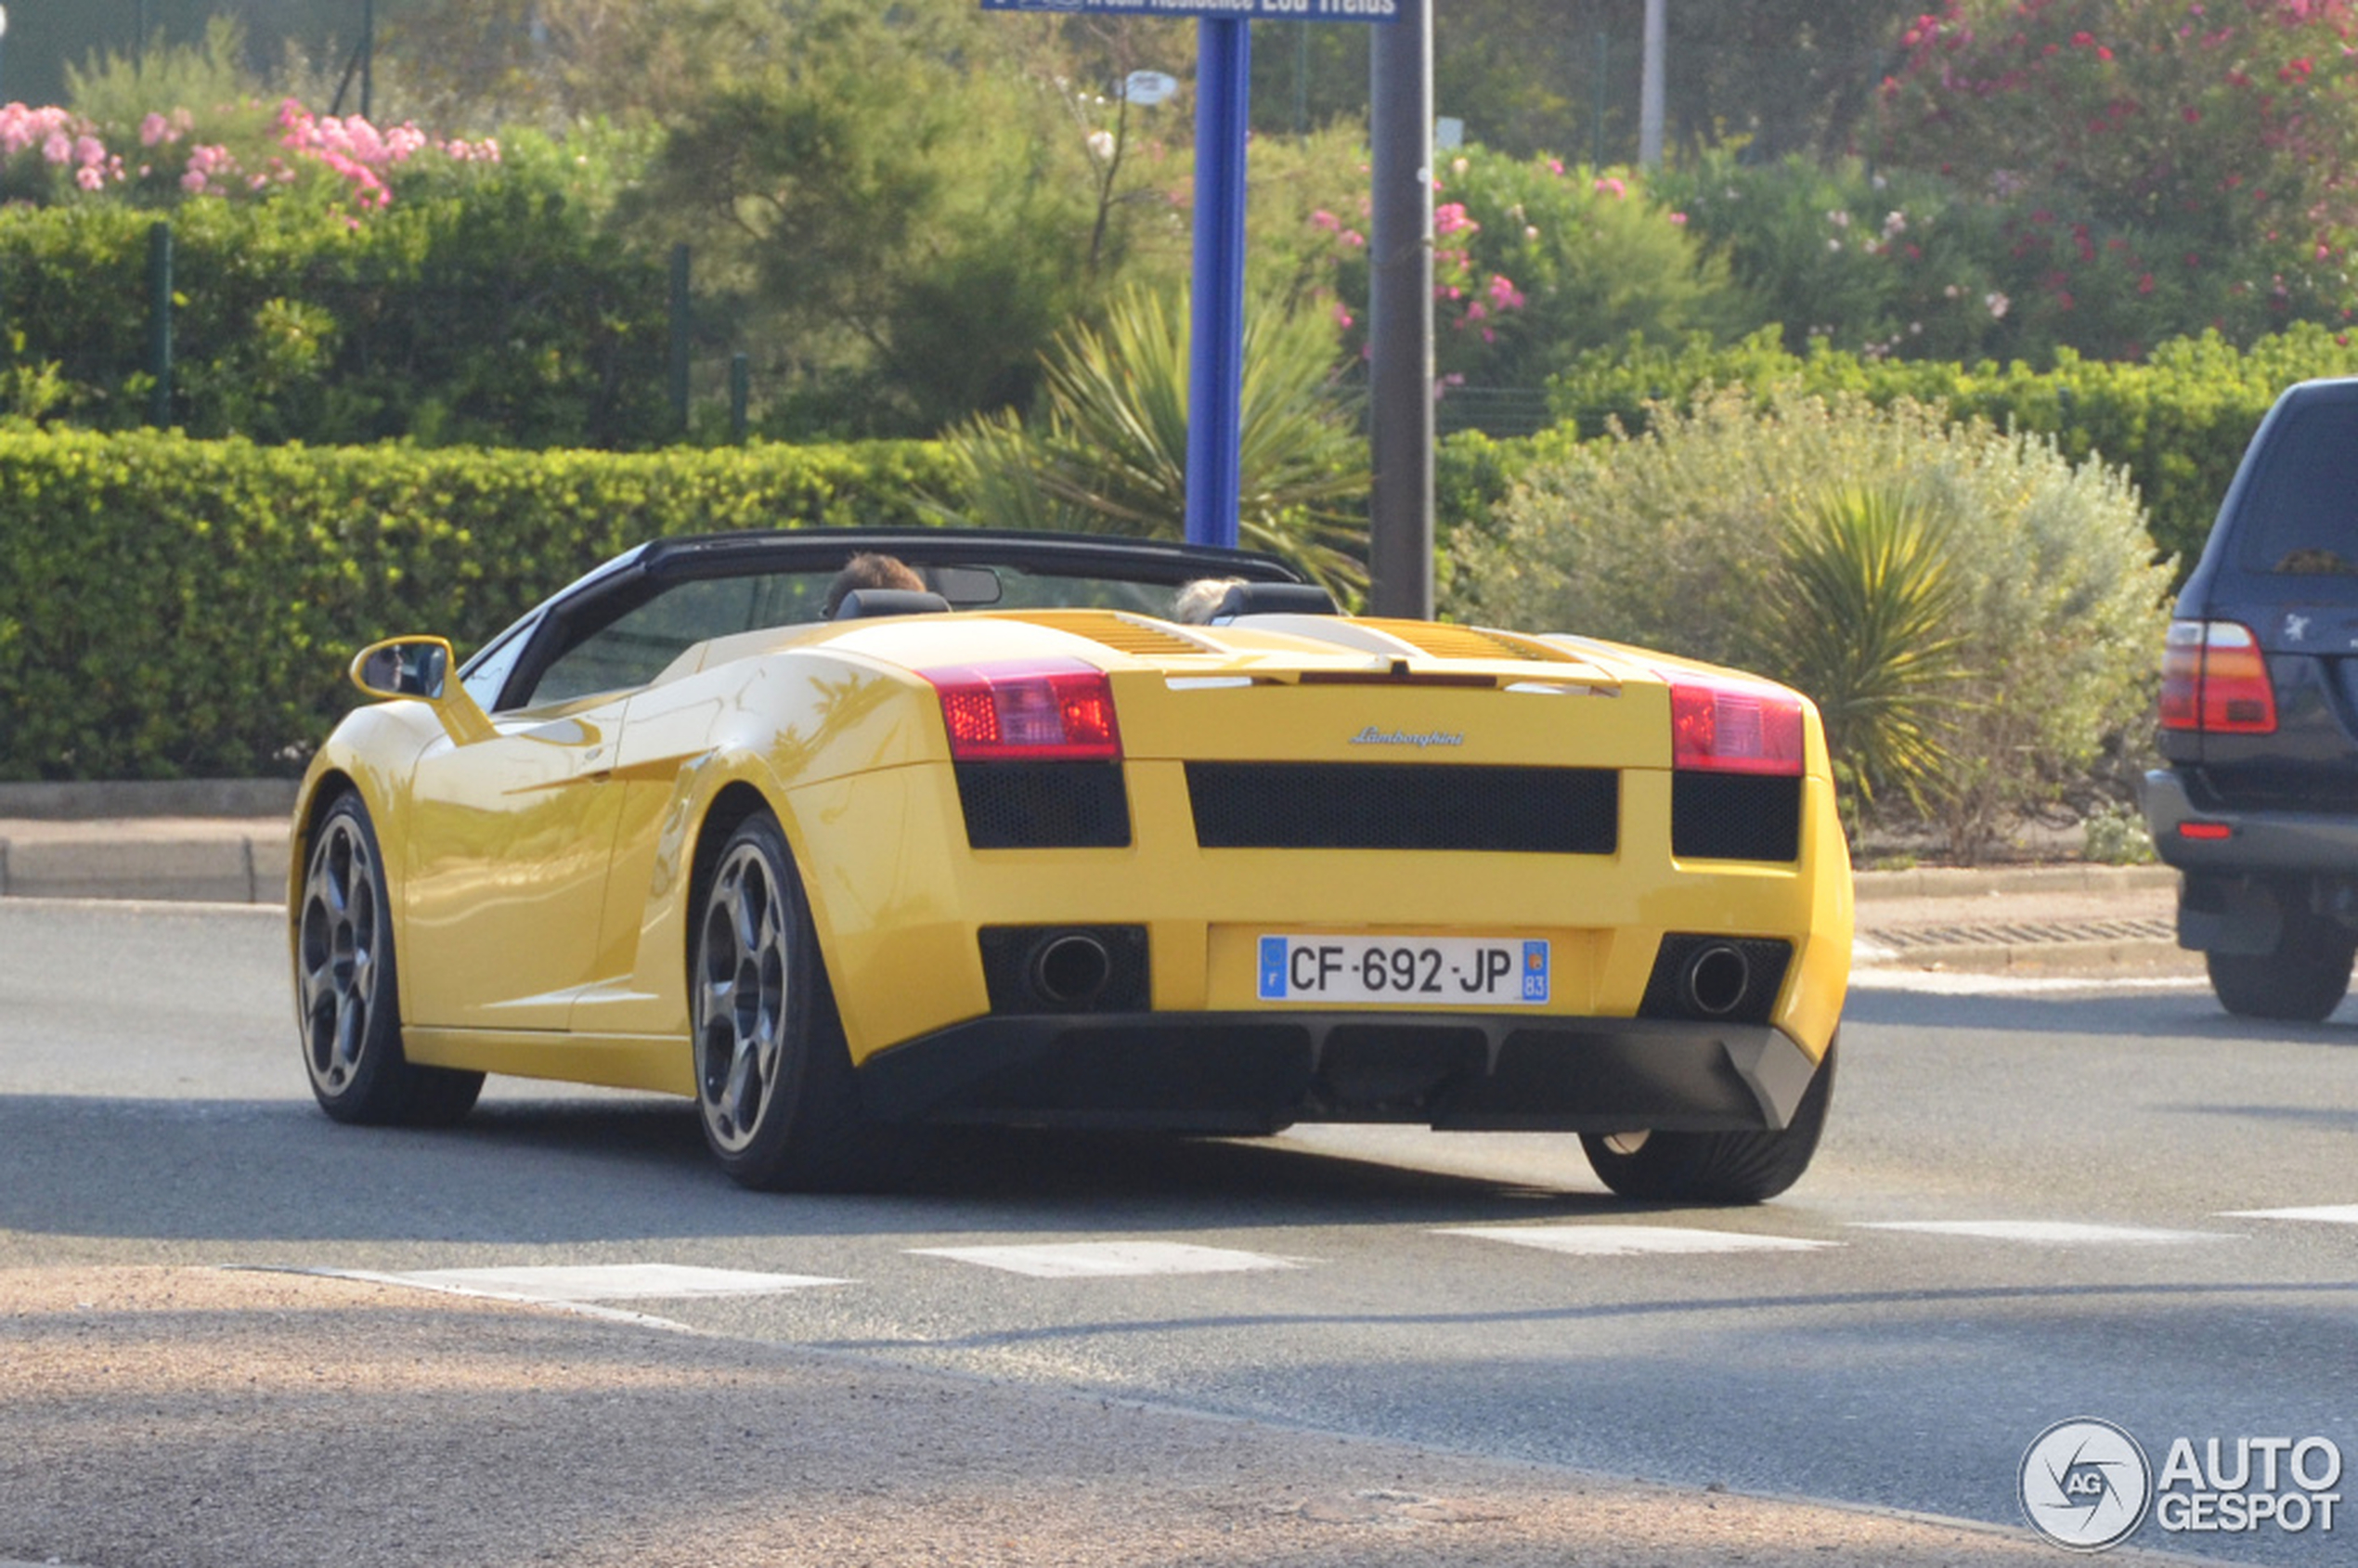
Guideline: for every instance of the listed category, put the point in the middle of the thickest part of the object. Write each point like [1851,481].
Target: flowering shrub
[489,303]
[2191,159]
[1536,260]
[51,154]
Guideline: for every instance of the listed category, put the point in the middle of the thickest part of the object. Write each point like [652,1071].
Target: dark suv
[2259,806]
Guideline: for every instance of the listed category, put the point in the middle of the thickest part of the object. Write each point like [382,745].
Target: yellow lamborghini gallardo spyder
[1078,832]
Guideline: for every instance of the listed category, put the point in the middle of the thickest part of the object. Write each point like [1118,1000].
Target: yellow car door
[507,842]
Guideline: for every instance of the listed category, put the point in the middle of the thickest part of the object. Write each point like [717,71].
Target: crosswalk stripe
[1619,1240]
[1081,1260]
[2046,1232]
[2331,1213]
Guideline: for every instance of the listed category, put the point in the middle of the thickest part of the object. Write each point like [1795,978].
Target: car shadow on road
[581,1170]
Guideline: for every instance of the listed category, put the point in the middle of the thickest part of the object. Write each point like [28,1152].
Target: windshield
[634,637]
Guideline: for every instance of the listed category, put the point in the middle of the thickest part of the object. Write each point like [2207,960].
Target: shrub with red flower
[51,154]
[2217,139]
[1534,260]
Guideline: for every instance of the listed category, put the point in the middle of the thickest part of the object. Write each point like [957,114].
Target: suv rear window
[2300,515]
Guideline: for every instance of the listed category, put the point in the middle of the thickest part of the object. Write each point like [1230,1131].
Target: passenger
[869,569]
[1194,605]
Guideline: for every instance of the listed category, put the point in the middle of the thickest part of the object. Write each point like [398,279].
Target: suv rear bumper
[2248,893]
[2258,843]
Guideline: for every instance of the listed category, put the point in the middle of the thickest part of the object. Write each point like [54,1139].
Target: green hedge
[2178,421]
[178,608]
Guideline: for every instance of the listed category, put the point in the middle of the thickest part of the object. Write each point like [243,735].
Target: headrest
[1275,599]
[861,602]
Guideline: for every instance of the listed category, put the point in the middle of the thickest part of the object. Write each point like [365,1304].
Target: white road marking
[1082,1260]
[2332,1214]
[1945,982]
[2048,1233]
[1617,1241]
[596,1282]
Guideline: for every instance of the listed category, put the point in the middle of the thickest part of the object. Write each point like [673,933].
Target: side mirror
[419,668]
[403,666]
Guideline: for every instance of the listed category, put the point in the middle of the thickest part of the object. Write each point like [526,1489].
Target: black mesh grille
[1044,804]
[1404,806]
[1735,816]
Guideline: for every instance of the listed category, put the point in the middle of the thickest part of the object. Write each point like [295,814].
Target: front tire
[2304,980]
[1715,1167]
[775,1085]
[347,992]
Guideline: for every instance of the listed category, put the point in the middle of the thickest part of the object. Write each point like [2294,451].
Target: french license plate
[1404,971]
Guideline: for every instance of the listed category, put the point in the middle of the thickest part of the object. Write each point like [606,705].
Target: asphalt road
[2102,1148]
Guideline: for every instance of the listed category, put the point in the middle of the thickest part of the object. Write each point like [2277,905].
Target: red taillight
[2207,831]
[1727,728]
[1036,710]
[2214,679]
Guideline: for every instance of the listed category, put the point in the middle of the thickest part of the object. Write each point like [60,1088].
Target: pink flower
[1679,218]
[1326,220]
[1352,237]
[193,182]
[153,129]
[90,177]
[1451,218]
[1609,186]
[1343,316]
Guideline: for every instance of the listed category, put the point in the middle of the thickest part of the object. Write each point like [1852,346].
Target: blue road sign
[1228,10]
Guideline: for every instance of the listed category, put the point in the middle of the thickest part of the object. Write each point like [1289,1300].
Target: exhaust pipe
[1071,969]
[1715,980]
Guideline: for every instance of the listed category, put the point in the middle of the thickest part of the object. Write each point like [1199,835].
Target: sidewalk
[226,843]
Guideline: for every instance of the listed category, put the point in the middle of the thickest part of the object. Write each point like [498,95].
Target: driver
[869,569]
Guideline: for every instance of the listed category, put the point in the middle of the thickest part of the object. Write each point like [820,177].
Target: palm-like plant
[1866,616]
[1108,449]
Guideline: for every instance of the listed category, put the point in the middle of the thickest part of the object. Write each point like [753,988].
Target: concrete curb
[95,799]
[1944,882]
[170,859]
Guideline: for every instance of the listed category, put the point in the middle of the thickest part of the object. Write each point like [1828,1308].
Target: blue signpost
[1215,362]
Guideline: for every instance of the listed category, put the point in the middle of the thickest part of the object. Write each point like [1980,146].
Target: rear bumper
[1258,1071]
[2309,843]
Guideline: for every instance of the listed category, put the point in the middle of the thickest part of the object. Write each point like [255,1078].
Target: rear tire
[2304,980]
[1715,1167]
[774,1084]
[348,993]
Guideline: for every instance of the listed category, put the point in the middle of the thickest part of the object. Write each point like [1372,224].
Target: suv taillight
[1036,710]
[2214,680]
[1722,727]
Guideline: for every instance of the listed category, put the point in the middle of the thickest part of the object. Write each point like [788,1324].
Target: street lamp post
[4,38]
[1649,85]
